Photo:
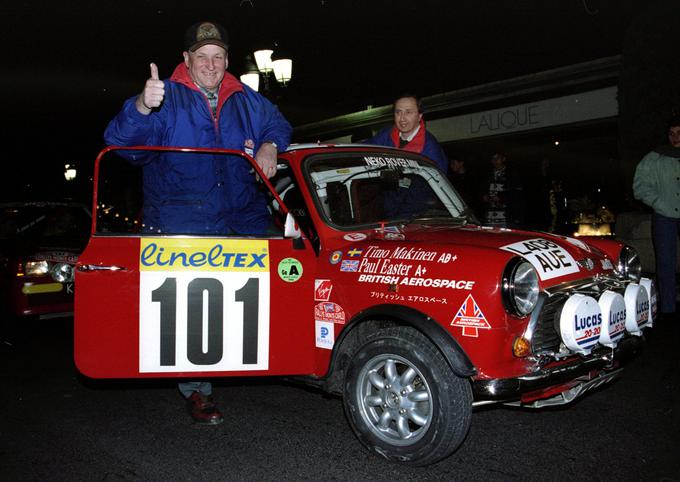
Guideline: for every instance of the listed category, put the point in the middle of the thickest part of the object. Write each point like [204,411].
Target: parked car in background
[39,245]
[378,286]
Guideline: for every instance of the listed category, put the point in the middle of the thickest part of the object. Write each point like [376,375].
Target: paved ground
[56,425]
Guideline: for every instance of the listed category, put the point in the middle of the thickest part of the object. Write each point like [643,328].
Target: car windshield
[44,222]
[364,189]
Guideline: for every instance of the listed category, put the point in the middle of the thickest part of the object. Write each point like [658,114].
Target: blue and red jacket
[423,143]
[201,193]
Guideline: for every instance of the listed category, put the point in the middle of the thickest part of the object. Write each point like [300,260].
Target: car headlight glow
[520,287]
[62,272]
[36,268]
[629,265]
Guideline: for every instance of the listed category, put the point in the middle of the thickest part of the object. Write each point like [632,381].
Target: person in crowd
[503,195]
[547,201]
[201,105]
[408,131]
[657,184]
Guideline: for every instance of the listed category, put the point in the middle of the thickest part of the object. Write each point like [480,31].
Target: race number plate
[204,305]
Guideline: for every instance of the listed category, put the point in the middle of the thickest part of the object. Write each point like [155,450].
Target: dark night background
[69,65]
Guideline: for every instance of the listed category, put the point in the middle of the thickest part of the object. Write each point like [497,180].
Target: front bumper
[576,376]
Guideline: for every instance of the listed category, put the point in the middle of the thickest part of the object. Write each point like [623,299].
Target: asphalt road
[56,425]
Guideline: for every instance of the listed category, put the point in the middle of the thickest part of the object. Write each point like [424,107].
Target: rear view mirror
[389,178]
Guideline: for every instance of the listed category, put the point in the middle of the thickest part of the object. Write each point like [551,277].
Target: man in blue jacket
[408,132]
[201,105]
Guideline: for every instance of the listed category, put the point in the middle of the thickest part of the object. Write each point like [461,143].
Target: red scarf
[417,144]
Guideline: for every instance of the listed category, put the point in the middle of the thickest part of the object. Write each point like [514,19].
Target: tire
[402,399]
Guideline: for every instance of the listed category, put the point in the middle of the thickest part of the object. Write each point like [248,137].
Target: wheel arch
[382,316]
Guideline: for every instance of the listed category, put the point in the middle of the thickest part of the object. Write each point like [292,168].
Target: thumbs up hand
[153,93]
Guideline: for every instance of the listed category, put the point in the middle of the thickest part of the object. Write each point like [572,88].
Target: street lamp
[69,172]
[252,76]
[281,69]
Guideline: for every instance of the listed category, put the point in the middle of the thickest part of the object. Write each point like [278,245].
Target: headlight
[36,268]
[62,272]
[520,287]
[629,265]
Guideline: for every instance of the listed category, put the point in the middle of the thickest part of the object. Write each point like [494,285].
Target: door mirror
[291,228]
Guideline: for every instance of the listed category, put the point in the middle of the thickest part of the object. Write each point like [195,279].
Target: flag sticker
[470,317]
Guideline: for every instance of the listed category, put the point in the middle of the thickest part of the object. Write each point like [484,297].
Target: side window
[119,197]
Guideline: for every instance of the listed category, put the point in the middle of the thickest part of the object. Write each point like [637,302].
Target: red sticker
[322,289]
[329,311]
[470,318]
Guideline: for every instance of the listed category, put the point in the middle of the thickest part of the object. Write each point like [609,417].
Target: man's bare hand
[153,93]
[266,158]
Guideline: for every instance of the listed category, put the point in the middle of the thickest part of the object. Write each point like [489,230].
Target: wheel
[402,399]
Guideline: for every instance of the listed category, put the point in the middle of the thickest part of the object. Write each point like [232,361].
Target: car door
[175,306]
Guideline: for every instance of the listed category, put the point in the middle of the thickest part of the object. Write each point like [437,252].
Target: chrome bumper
[509,390]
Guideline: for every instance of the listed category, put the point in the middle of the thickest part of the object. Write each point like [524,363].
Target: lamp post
[69,172]
[265,67]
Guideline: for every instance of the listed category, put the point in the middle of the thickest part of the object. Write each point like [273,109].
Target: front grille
[544,326]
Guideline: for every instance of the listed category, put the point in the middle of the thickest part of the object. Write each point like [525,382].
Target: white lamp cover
[263,59]
[69,173]
[283,70]
[251,80]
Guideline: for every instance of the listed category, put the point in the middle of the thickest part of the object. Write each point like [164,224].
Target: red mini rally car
[379,286]
[39,245]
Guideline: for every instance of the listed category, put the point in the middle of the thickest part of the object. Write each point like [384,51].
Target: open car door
[151,305]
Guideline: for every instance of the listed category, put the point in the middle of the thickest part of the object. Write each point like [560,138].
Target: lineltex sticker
[290,270]
[550,259]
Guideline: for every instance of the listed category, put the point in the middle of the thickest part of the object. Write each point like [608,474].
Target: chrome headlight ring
[520,287]
[629,265]
[62,272]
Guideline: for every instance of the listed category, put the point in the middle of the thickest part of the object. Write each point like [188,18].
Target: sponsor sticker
[169,254]
[354,236]
[607,264]
[329,311]
[249,147]
[290,270]
[322,289]
[57,256]
[388,161]
[336,256]
[549,258]
[470,317]
[325,334]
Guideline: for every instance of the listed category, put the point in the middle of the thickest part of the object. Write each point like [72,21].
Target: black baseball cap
[204,33]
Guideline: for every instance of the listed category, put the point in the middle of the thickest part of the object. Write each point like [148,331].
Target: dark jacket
[431,147]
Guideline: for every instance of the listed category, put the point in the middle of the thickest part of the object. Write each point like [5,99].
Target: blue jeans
[187,388]
[665,237]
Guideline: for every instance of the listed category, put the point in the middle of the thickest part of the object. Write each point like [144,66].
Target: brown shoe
[203,410]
